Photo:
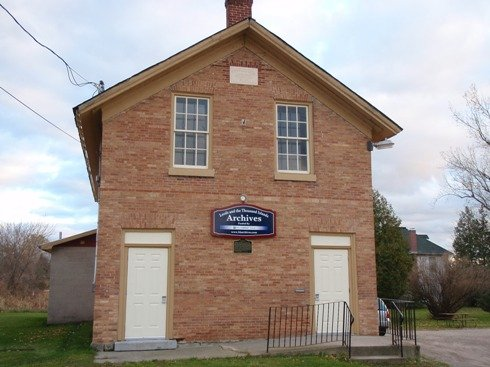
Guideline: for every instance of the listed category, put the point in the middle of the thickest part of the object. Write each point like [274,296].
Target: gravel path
[457,347]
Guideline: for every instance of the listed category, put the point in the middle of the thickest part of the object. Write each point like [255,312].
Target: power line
[69,70]
[37,113]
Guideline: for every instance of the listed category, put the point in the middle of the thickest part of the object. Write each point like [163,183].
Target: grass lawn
[425,321]
[26,340]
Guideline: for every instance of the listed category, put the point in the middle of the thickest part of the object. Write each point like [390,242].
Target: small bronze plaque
[242,247]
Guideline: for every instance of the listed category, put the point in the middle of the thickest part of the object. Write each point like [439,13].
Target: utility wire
[69,70]
[37,113]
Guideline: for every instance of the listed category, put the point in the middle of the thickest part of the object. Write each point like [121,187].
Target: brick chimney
[412,240]
[237,10]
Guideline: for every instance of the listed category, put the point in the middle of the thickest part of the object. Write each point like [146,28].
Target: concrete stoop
[144,344]
[385,354]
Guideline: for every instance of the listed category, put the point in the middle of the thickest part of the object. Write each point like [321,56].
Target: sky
[413,60]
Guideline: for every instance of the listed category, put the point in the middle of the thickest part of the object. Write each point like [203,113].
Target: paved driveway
[457,347]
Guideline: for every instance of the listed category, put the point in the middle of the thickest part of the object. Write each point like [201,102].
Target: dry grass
[36,301]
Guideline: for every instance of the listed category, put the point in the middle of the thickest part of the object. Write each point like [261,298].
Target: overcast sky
[411,59]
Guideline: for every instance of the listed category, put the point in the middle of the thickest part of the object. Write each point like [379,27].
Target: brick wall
[220,295]
[237,10]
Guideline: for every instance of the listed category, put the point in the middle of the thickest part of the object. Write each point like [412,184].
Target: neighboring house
[71,278]
[243,123]
[424,251]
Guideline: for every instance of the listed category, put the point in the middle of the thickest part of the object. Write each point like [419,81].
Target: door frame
[337,241]
[167,243]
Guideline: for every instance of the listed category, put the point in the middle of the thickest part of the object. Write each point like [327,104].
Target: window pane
[201,141]
[281,112]
[302,147]
[302,130]
[180,121]
[203,107]
[302,114]
[201,157]
[190,157]
[283,164]
[191,122]
[303,163]
[292,147]
[282,146]
[292,138]
[293,164]
[281,128]
[179,156]
[191,105]
[190,140]
[180,105]
[179,140]
[202,123]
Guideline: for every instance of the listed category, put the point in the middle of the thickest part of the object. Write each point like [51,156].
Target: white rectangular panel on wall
[147,238]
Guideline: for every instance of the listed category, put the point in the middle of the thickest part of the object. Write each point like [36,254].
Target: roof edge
[49,245]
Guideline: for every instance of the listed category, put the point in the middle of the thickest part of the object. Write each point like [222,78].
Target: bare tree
[446,285]
[20,254]
[468,170]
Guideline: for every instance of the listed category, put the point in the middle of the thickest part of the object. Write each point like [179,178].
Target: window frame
[295,175]
[190,170]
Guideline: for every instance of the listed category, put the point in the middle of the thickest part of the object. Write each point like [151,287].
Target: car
[383,317]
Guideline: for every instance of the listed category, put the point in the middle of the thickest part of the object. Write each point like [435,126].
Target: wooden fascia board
[48,247]
[338,96]
[325,96]
[90,130]
[174,61]
[89,115]
[169,76]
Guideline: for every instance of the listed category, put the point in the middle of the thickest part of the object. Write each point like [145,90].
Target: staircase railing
[300,326]
[402,321]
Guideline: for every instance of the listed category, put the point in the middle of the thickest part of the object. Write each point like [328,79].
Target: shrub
[446,285]
[484,301]
[35,301]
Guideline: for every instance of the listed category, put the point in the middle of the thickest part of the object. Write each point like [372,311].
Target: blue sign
[243,221]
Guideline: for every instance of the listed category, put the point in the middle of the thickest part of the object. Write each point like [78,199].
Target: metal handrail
[403,323]
[397,328]
[299,326]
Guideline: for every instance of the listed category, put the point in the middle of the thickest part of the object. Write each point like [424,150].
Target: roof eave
[48,247]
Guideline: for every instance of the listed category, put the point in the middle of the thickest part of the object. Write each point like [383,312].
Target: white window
[292,139]
[191,132]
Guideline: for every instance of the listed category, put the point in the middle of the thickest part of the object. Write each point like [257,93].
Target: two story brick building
[244,123]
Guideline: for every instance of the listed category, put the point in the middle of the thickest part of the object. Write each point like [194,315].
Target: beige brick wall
[220,295]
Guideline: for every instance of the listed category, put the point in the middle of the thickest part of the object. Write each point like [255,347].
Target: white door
[146,298]
[331,285]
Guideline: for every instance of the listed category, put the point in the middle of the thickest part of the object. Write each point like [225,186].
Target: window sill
[281,176]
[191,172]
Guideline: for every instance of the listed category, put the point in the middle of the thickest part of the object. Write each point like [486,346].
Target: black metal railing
[402,324]
[300,326]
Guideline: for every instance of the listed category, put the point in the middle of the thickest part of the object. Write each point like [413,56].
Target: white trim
[333,240]
[148,238]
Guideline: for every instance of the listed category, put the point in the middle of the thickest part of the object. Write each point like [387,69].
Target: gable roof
[89,115]
[427,247]
[48,247]
[424,245]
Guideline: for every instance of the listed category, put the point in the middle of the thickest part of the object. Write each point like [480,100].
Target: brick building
[240,118]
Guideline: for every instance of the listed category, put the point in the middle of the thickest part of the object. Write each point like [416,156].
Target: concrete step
[144,344]
[385,350]
[409,351]
[379,359]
